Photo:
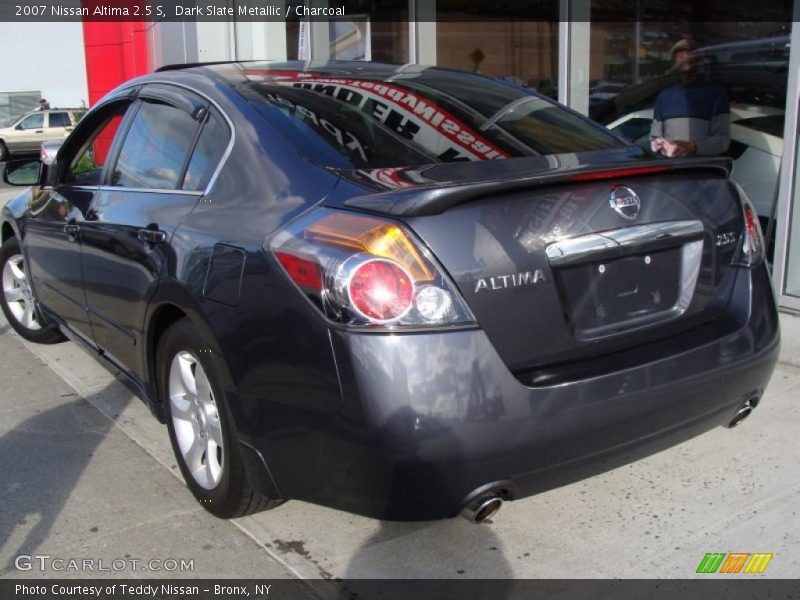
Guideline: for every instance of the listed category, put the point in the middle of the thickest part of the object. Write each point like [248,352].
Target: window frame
[129,93]
[213,165]
[192,104]
[58,112]
[31,116]
[93,125]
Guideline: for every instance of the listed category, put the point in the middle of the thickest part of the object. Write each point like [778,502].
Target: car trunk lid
[565,257]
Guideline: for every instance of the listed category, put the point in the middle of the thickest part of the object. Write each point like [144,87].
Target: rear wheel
[200,428]
[18,301]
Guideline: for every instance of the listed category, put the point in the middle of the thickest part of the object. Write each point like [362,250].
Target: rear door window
[59,119]
[208,151]
[155,148]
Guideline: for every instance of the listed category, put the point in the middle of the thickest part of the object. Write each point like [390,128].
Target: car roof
[232,71]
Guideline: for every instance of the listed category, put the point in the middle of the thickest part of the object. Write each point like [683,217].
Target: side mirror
[24,173]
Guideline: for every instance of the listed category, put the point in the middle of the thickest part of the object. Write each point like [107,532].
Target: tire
[3,151]
[18,301]
[200,426]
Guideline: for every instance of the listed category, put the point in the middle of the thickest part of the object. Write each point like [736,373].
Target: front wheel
[203,438]
[3,151]
[18,301]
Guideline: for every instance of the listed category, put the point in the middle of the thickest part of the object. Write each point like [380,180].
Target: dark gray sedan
[399,291]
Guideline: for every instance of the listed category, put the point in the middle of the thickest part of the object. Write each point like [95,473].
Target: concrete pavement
[74,485]
[87,471]
[724,491]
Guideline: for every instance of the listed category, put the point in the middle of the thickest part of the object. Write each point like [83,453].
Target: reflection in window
[87,166]
[522,53]
[155,148]
[381,120]
[33,122]
[210,146]
[58,119]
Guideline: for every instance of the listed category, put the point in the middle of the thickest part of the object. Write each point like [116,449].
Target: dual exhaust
[482,508]
[745,410]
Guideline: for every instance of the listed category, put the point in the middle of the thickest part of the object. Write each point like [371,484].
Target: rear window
[367,122]
[634,129]
[59,119]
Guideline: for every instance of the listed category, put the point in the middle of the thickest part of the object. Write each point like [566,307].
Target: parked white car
[756,147]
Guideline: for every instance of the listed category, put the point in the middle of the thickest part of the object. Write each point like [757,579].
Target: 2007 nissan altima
[403,292]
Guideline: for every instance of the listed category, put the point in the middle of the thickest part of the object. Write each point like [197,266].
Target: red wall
[115,52]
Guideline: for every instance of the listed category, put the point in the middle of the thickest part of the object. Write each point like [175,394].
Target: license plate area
[612,295]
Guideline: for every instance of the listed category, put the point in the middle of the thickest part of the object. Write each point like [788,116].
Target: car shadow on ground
[465,550]
[43,458]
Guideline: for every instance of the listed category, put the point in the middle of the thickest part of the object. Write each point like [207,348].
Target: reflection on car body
[402,292]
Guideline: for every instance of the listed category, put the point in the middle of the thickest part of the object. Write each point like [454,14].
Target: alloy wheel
[195,419]
[18,293]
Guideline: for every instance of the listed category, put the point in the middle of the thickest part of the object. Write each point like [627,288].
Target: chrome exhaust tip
[481,509]
[745,410]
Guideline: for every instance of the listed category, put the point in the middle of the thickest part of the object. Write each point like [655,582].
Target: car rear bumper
[424,421]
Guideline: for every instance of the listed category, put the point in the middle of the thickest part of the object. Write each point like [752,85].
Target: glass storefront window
[381,35]
[681,75]
[792,274]
[522,53]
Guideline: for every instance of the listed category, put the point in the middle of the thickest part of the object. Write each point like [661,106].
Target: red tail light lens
[305,273]
[752,251]
[380,290]
[365,271]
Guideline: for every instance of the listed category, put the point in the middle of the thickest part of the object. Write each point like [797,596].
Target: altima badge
[625,201]
[501,282]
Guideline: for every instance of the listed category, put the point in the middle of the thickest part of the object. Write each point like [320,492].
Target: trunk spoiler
[426,200]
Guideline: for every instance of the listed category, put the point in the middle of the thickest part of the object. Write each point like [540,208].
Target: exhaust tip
[745,410]
[482,509]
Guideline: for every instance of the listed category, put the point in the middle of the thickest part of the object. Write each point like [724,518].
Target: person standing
[44,104]
[692,116]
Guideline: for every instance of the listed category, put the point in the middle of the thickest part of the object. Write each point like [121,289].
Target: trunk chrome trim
[587,247]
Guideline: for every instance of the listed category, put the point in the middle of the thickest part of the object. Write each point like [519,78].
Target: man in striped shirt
[691,117]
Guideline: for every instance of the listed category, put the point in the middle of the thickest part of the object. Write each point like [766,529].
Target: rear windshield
[445,116]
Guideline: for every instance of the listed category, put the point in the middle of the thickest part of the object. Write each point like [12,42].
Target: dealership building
[604,58]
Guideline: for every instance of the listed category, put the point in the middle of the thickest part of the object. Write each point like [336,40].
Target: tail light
[752,250]
[365,271]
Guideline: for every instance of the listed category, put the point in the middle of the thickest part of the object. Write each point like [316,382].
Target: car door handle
[72,230]
[152,236]
[39,131]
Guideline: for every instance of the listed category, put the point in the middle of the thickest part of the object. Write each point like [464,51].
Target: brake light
[614,173]
[366,271]
[752,250]
[305,273]
[379,290]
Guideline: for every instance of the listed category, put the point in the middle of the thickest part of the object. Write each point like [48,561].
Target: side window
[33,122]
[58,119]
[207,153]
[155,148]
[86,167]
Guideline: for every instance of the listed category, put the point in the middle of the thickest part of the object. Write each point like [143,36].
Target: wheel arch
[7,231]
[171,303]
